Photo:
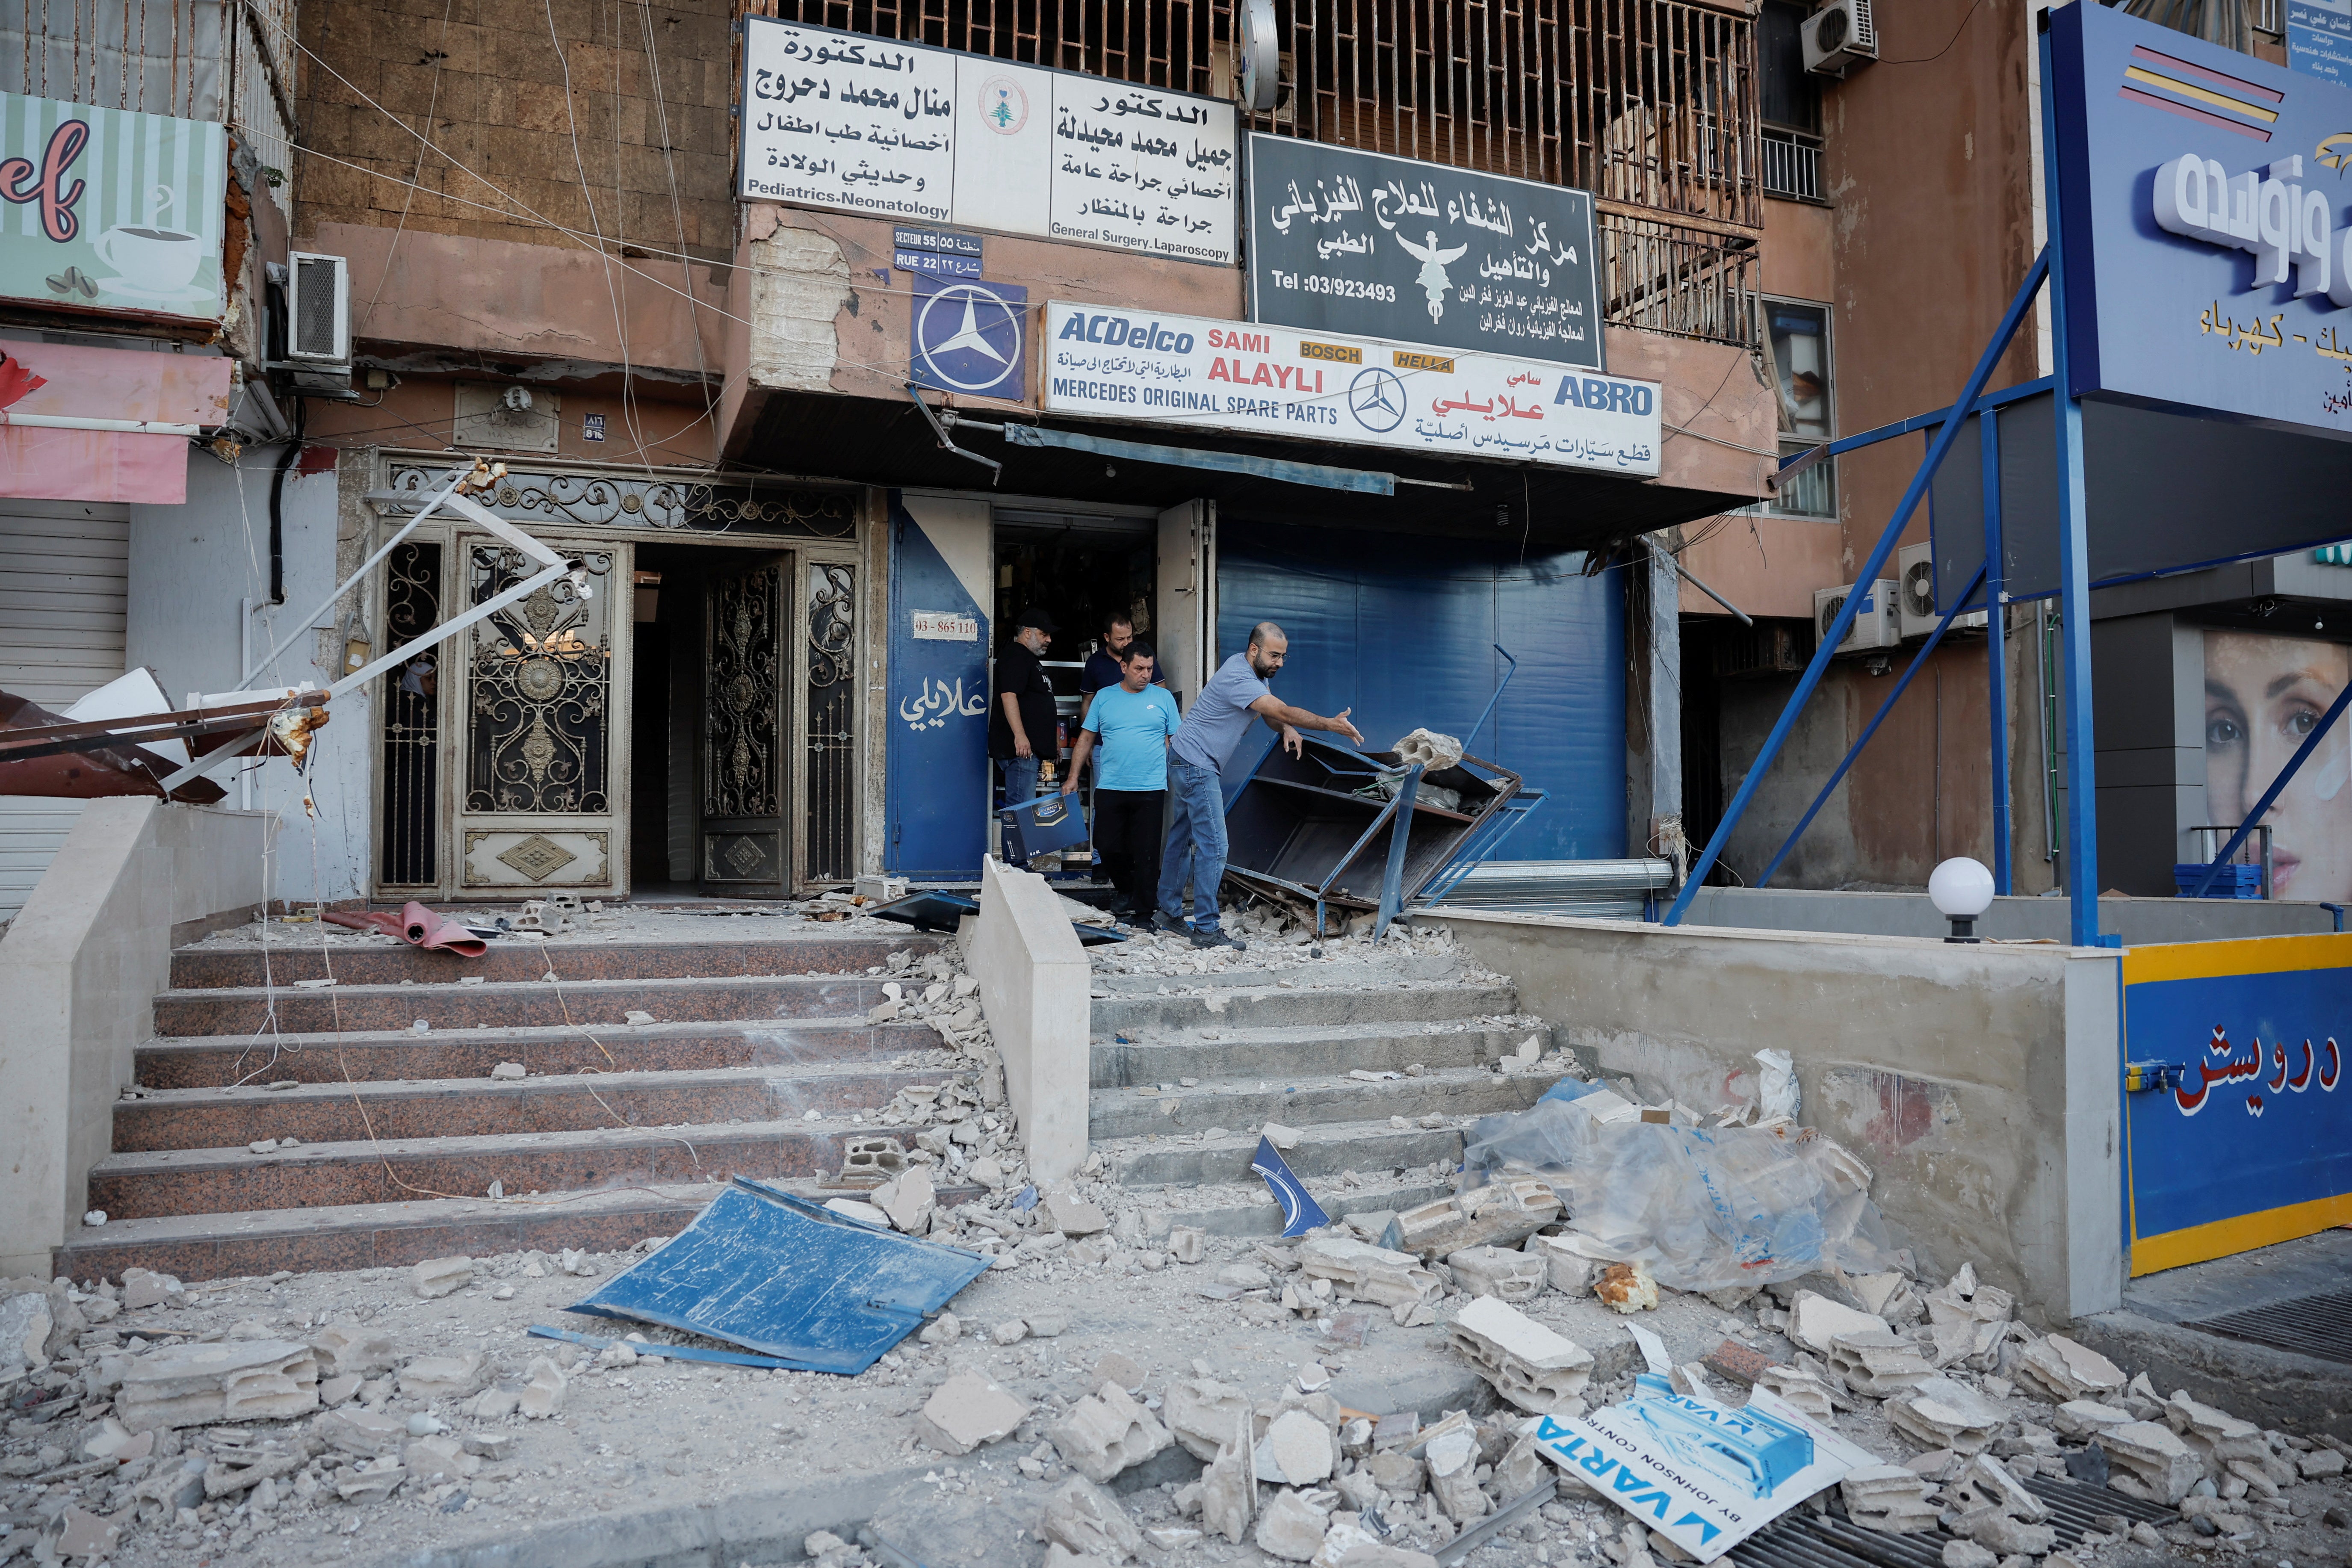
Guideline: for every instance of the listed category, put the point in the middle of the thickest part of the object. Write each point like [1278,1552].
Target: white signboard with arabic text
[1275,381]
[871,125]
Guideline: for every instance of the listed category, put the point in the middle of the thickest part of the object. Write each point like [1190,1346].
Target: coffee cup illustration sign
[125,210]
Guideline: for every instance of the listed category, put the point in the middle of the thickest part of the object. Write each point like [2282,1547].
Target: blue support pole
[1844,621]
[1996,582]
[2074,558]
[2278,785]
[1918,661]
[1392,879]
[1489,710]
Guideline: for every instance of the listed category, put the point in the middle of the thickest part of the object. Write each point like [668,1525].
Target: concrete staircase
[758,1064]
[1183,1082]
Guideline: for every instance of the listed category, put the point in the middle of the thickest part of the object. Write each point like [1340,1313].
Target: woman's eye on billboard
[2263,696]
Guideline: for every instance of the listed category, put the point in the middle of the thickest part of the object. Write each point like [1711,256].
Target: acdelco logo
[1118,331]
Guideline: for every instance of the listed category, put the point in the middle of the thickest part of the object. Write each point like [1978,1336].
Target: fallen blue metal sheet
[775,1272]
[1300,1211]
[645,1348]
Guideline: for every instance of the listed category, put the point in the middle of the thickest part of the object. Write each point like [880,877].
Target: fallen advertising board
[1346,241]
[1705,1476]
[1215,374]
[873,125]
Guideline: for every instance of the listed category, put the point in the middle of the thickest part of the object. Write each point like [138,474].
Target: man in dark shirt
[1021,728]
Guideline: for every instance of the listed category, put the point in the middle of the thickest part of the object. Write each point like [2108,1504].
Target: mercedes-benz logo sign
[969,337]
[1376,397]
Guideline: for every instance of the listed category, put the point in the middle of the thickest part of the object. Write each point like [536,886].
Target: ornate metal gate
[541,727]
[746,761]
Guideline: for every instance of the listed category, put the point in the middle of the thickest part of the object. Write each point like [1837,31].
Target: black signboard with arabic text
[1341,241]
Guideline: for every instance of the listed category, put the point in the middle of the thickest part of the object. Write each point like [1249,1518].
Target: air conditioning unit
[1917,562]
[317,310]
[1877,624]
[1837,35]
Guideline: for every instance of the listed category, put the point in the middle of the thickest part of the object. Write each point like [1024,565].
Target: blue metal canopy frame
[2074,591]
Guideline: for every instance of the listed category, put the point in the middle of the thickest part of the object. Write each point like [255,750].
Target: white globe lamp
[1961,889]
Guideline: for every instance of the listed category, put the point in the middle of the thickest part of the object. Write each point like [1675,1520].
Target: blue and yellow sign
[2239,1125]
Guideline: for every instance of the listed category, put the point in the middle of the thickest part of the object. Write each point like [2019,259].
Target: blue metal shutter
[1402,628]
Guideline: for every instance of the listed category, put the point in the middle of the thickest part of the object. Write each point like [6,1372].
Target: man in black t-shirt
[1021,728]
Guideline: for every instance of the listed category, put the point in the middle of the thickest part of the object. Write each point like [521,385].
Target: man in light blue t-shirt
[1234,697]
[1126,732]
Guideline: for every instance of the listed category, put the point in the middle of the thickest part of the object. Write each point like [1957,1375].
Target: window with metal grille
[1652,105]
[1793,165]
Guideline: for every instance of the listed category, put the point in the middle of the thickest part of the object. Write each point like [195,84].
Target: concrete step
[145,1185]
[1327,1149]
[383,962]
[393,1235]
[1241,1105]
[1305,1048]
[1277,1006]
[478,1107]
[339,1009]
[213,1062]
[1386,970]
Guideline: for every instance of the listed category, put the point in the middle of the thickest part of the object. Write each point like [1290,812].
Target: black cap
[1034,616]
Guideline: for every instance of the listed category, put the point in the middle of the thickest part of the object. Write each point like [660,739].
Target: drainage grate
[1803,1540]
[2319,1326]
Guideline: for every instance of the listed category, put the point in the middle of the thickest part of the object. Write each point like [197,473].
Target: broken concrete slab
[1368,1273]
[361,1432]
[86,1535]
[1124,1370]
[1568,1268]
[1877,1363]
[1528,1364]
[966,1411]
[1229,1486]
[2149,1461]
[2082,1419]
[198,1384]
[909,1200]
[1815,1321]
[1501,1273]
[1200,1412]
[1985,1482]
[351,1349]
[436,1460]
[1453,1460]
[1088,1521]
[1942,1413]
[370,1485]
[1105,1432]
[143,1288]
[542,1390]
[1072,1216]
[1889,1498]
[1293,1525]
[1297,1450]
[1188,1243]
[2058,1369]
[432,1377]
[438,1277]
[1500,1214]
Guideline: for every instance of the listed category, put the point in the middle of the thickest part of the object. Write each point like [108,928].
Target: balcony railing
[1657,277]
[1793,165]
[224,60]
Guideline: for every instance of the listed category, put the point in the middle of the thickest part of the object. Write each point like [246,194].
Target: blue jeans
[1196,843]
[1020,775]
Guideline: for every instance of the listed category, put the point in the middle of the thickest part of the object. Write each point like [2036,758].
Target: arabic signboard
[2319,37]
[108,209]
[942,255]
[1705,1476]
[872,125]
[2246,1036]
[1343,241]
[2208,221]
[1328,386]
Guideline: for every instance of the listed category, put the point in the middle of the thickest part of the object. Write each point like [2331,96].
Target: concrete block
[361,1432]
[2149,1461]
[2058,1369]
[1985,1482]
[437,1277]
[1801,1388]
[1200,1412]
[542,1390]
[86,1535]
[1105,1432]
[197,1384]
[1072,1216]
[1498,1213]
[1453,1461]
[1296,1451]
[1528,1364]
[967,1411]
[351,1349]
[1889,1498]
[1998,1532]
[1294,1524]
[1398,1472]
[1034,984]
[368,1485]
[2216,1435]
[1229,1486]
[2081,1418]
[1876,1364]
[1941,1414]
[1187,1243]
[1369,1273]
[436,1460]
[143,1288]
[1570,1271]
[908,1201]
[1088,1521]
[1505,1275]
[1815,1320]
[431,1377]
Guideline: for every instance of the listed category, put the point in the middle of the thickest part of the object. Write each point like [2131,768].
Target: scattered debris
[1528,1364]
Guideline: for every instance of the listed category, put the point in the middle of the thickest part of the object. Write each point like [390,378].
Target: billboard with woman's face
[2263,696]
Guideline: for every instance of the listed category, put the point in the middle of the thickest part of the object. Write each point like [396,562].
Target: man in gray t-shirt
[1203,742]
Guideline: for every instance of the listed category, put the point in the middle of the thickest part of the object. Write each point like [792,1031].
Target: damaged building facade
[589,256]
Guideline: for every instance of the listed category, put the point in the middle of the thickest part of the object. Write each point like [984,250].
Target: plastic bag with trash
[1701,1208]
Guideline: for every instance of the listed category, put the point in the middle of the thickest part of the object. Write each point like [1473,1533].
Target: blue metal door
[1402,629]
[936,792]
